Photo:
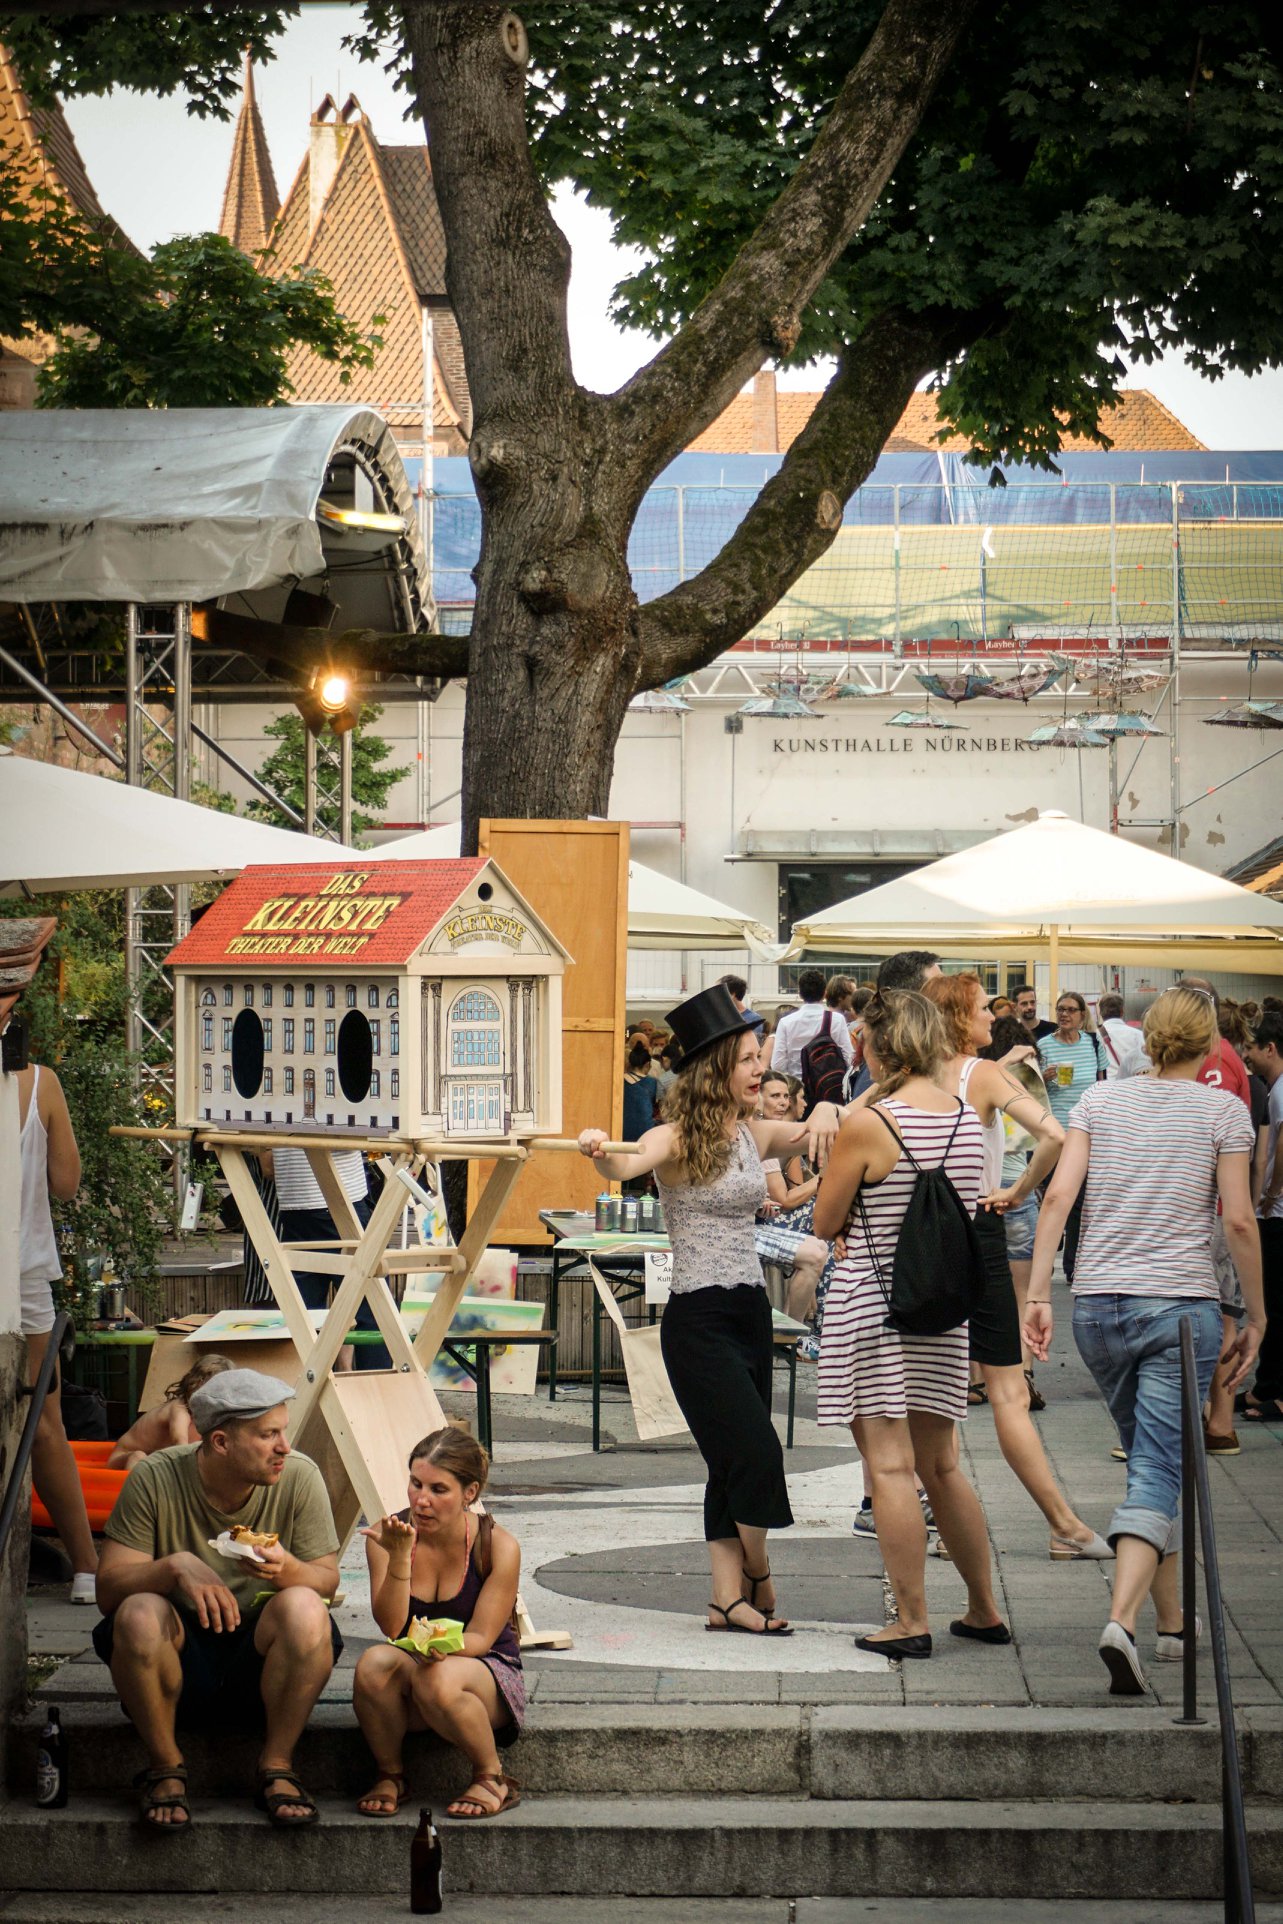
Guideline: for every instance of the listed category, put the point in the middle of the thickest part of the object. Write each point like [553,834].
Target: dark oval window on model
[247,1053]
[356,1056]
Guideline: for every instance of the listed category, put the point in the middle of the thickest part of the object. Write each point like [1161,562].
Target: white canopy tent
[662,914]
[1061,892]
[60,829]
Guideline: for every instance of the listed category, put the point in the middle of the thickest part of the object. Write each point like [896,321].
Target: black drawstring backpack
[938,1272]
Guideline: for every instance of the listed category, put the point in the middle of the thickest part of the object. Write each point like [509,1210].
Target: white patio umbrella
[61,829]
[662,914]
[1058,890]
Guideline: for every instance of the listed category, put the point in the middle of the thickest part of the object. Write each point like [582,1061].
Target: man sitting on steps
[181,1628]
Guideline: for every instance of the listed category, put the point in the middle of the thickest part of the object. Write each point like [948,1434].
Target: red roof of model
[312,915]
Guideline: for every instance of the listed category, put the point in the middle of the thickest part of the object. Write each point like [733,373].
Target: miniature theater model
[412,999]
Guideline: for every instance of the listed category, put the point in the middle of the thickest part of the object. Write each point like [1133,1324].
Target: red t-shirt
[1224,1069]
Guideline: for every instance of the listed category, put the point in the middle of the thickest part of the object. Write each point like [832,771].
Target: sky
[160,172]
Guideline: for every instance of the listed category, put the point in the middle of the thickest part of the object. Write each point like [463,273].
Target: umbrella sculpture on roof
[920,718]
[1115,679]
[1248,714]
[660,701]
[1114,727]
[1031,678]
[1072,732]
[967,685]
[844,689]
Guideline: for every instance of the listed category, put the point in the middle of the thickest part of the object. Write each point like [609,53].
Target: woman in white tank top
[50,1164]
[995,1326]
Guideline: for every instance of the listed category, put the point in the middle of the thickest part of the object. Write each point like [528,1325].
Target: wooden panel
[575,876]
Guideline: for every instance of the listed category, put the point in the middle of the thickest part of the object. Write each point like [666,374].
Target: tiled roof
[250,200]
[425,891]
[1140,422]
[378,239]
[37,143]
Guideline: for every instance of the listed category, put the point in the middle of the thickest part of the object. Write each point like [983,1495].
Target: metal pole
[681,533]
[1174,741]
[61,709]
[309,781]
[896,643]
[1115,620]
[345,788]
[133,775]
[1189,1514]
[247,775]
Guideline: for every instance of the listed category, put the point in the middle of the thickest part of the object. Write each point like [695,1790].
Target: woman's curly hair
[699,1104]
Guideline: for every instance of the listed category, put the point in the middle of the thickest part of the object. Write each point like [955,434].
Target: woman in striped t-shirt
[1156,1152]
[903,1395]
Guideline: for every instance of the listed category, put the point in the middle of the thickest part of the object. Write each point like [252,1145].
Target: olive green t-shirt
[163,1508]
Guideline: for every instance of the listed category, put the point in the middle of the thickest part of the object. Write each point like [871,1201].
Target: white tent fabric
[60,829]
[170,504]
[1059,889]
[662,914]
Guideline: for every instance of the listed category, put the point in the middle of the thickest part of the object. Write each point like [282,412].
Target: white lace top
[711,1225]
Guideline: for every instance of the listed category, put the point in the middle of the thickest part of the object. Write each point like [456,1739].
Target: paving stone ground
[613,1545]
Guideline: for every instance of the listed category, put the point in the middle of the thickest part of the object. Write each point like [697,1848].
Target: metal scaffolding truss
[327,799]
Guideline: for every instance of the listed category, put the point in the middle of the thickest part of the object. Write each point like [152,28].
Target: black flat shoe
[991,1633]
[896,1646]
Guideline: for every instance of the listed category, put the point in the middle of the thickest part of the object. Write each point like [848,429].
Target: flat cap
[234,1395]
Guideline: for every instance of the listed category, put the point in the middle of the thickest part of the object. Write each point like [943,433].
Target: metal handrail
[38,1392]
[1196,1493]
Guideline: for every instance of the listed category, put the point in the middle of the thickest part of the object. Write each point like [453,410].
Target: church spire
[250,200]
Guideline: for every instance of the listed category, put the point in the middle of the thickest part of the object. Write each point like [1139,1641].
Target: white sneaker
[1118,1652]
[1171,1649]
[84,1587]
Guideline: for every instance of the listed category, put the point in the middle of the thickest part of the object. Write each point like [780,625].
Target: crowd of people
[1143,1153]
[914,1154]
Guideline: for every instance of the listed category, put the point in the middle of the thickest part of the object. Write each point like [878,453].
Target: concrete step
[144,1907]
[663,1847]
[904,1752]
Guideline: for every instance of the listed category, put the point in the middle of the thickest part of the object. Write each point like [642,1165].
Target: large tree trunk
[559,645]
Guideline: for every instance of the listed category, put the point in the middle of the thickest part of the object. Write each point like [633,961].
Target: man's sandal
[274,1802]
[146,1781]
[494,1783]
[395,1797]
[770,1627]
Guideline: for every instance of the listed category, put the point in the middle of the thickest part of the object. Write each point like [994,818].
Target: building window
[227,995]
[249,995]
[267,1031]
[267,1082]
[207,1032]
[329,1082]
[227,1078]
[376,1036]
[309,1093]
[227,1032]
[393,999]
[374,1084]
[475,1031]
[207,1078]
[208,999]
[349,995]
[372,997]
[287,995]
[329,995]
[309,995]
[289,1080]
[394,1084]
[330,1032]
[309,1035]
[267,995]
[287,1034]
[394,1035]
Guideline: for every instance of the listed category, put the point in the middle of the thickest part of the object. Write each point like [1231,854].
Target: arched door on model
[309,1092]
[475,1055]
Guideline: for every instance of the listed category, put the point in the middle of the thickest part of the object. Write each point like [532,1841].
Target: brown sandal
[507,1788]
[400,1791]
[146,1781]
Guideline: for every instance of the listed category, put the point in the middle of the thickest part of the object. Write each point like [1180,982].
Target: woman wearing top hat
[716,1333]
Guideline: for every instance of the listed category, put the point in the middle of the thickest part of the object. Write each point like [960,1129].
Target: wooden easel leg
[472,1247]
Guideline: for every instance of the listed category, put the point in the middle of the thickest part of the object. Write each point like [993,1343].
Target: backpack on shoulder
[823,1066]
[938,1271]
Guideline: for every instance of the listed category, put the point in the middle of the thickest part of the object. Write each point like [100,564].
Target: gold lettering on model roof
[299,912]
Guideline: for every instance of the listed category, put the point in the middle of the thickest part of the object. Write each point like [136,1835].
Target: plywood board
[575,877]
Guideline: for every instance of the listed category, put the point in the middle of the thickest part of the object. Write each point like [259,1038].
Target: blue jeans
[1132,1346]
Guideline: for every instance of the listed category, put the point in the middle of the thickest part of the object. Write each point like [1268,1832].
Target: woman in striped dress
[903,1395]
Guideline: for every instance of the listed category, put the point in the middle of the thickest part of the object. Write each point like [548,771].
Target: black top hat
[704,1019]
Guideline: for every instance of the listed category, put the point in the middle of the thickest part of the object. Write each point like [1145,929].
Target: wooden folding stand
[358,1425]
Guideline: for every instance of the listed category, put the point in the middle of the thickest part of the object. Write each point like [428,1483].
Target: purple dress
[502,1660]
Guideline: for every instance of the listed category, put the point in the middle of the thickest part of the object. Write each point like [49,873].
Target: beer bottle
[51,1764]
[425,1868]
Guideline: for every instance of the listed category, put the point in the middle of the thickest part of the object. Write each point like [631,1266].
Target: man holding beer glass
[1071,1062]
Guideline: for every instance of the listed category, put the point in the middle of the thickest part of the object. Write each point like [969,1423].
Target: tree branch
[796,517]
[300,649]
[508,263]
[754,312]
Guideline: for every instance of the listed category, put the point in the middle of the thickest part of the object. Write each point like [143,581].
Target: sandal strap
[159,1775]
[266,1775]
